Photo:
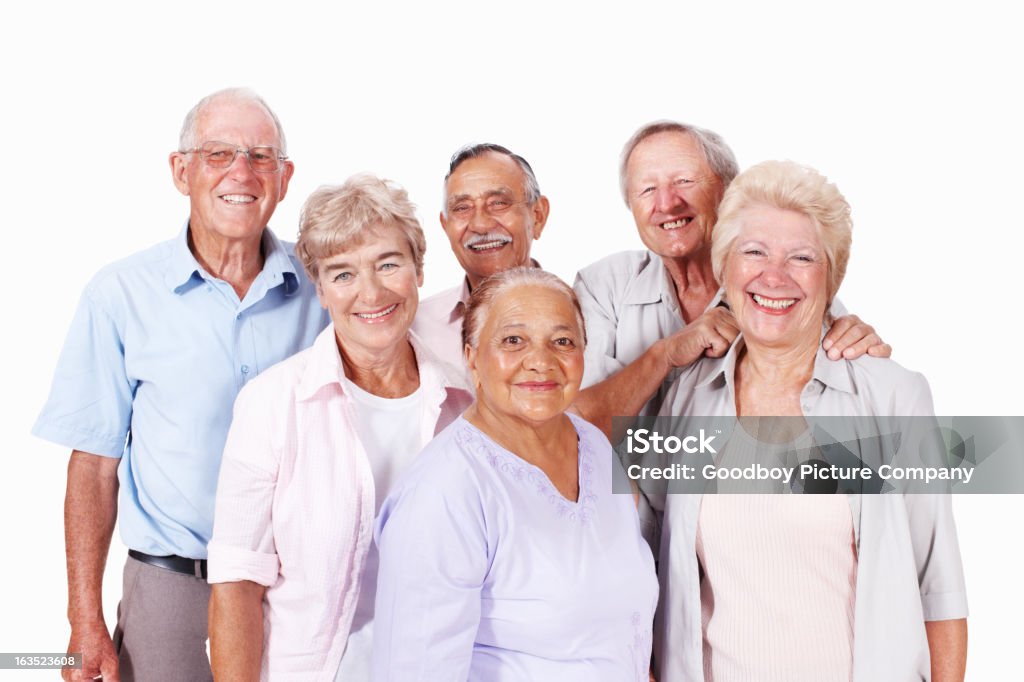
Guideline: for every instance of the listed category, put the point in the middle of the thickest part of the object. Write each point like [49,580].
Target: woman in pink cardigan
[316,443]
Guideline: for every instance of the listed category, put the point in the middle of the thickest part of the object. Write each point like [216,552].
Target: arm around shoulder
[625,392]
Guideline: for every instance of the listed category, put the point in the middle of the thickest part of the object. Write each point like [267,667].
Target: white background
[911,108]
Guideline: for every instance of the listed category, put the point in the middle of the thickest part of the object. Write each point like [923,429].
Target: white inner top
[388,430]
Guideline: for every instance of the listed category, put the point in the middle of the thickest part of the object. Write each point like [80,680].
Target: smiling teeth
[675,224]
[238,198]
[374,316]
[774,304]
[483,246]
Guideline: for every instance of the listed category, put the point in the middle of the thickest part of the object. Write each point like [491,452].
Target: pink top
[777,597]
[295,501]
[439,323]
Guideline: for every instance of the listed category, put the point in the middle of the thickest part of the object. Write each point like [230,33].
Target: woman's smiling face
[528,363]
[776,277]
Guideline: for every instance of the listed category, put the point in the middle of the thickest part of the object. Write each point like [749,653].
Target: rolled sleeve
[243,546]
[933,533]
[946,606]
[230,564]
[940,571]
[90,403]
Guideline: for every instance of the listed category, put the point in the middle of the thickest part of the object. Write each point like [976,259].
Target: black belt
[178,564]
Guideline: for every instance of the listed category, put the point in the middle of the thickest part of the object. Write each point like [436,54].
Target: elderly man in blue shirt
[159,347]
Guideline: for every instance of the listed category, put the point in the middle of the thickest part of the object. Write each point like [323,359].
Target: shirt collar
[436,372]
[278,264]
[834,374]
[720,371]
[185,270]
[459,305]
[653,284]
[325,368]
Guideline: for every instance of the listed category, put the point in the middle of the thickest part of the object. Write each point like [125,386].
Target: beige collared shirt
[628,302]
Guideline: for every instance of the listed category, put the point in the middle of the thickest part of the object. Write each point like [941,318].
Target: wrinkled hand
[98,655]
[711,334]
[851,338]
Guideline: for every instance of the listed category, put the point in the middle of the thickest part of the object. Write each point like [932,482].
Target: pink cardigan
[295,501]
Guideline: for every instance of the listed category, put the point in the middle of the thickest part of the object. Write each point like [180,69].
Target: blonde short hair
[339,217]
[788,186]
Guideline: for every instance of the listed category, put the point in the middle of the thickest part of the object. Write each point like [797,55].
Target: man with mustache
[492,213]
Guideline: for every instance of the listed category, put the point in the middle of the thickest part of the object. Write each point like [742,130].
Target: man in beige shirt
[649,313]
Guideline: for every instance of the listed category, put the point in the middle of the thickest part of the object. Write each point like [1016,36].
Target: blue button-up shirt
[157,352]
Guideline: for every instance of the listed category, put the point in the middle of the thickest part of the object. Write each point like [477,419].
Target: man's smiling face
[488,219]
[234,202]
[673,194]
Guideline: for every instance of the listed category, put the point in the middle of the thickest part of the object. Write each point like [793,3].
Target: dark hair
[475,150]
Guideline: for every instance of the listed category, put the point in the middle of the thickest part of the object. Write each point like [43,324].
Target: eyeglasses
[495,206]
[222,155]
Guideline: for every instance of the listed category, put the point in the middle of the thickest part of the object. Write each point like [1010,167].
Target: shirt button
[245,369]
[238,316]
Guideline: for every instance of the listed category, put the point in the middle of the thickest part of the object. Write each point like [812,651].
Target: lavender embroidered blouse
[488,573]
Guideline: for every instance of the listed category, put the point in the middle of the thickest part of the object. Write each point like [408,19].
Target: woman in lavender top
[504,555]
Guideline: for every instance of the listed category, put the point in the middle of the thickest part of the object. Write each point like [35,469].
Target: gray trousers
[162,626]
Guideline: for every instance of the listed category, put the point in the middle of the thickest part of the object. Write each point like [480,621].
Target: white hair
[716,152]
[484,295]
[189,128]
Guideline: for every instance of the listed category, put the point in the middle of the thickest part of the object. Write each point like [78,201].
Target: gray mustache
[487,237]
